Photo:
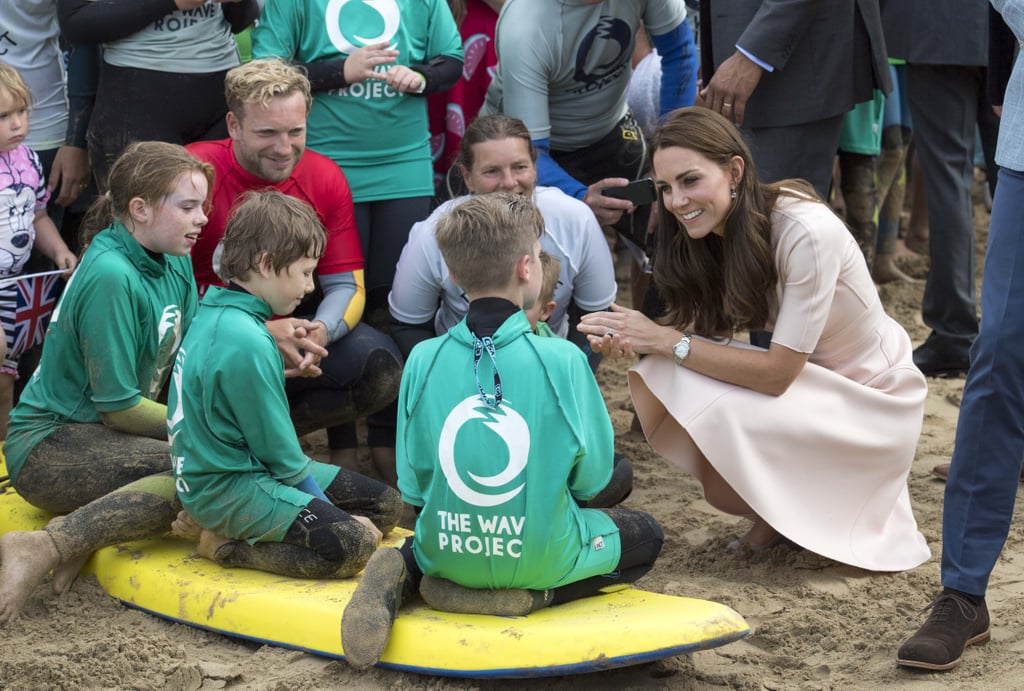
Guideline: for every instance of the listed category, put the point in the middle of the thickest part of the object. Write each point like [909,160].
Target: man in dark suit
[787,72]
[945,44]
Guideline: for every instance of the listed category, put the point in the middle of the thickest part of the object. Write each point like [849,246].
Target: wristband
[423,84]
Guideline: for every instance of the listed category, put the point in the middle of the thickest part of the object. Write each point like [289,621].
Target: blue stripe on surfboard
[604,663]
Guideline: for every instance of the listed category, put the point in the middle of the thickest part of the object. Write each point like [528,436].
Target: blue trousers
[985,469]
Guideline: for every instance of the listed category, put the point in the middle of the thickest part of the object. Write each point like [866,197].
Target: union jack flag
[37,296]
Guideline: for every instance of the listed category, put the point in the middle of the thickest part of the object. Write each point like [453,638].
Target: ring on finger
[609,332]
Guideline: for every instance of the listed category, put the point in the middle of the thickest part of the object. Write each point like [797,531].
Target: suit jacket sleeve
[776,29]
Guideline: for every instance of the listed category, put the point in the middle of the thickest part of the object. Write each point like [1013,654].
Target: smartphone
[640,192]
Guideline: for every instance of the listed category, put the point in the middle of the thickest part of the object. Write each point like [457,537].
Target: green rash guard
[378,136]
[233,446]
[497,486]
[111,340]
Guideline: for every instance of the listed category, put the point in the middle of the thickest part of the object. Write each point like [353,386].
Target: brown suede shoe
[941,471]
[954,624]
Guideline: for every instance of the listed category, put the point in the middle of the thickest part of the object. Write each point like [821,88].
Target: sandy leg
[25,559]
[366,621]
[65,574]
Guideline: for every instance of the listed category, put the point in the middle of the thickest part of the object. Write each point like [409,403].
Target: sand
[818,624]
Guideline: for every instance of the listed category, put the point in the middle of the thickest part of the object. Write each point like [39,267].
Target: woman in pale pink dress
[813,438]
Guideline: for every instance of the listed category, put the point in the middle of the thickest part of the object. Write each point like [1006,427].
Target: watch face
[681,349]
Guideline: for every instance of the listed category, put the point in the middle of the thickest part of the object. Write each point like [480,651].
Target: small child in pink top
[23,220]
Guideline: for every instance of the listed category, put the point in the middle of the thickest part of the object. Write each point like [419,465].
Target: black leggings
[135,105]
[324,541]
[361,374]
[383,231]
[641,538]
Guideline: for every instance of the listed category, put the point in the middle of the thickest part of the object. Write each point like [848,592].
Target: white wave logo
[388,11]
[507,424]
[168,338]
[170,318]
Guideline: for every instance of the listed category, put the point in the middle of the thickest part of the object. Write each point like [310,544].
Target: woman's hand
[608,210]
[623,332]
[69,175]
[361,64]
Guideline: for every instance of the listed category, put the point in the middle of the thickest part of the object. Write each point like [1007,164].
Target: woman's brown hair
[718,284]
[488,128]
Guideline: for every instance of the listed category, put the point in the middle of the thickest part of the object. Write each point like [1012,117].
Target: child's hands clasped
[295,341]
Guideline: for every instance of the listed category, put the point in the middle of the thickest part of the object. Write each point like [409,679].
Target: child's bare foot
[25,559]
[886,271]
[209,543]
[65,574]
[184,527]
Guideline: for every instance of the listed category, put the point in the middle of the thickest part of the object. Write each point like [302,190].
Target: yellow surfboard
[167,578]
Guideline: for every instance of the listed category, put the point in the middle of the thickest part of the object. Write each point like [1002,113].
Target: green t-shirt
[233,446]
[497,486]
[378,136]
[111,339]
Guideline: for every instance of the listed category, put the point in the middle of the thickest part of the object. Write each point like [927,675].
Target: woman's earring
[732,192]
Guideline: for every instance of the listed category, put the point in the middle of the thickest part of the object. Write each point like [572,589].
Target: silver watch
[681,350]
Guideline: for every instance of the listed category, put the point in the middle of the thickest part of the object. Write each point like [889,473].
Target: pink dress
[826,463]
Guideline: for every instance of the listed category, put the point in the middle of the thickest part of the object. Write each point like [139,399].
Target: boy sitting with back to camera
[500,435]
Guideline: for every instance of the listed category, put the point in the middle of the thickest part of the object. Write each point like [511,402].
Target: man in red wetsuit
[339,368]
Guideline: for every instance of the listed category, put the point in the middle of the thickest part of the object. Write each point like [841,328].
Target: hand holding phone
[640,192]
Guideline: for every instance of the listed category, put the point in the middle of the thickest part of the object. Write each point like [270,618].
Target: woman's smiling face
[501,165]
[695,189]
